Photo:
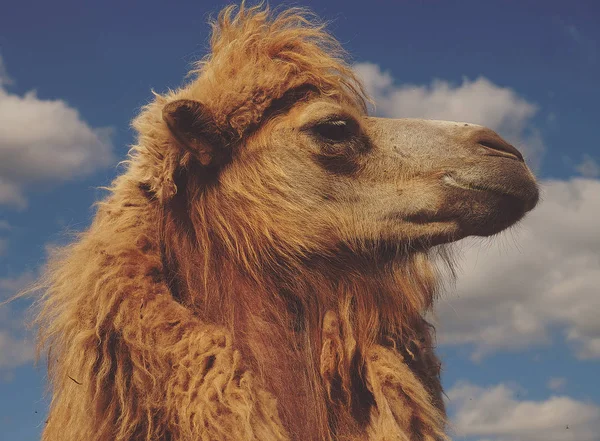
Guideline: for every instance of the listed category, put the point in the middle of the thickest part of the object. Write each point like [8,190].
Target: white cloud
[4,77]
[498,414]
[586,46]
[540,276]
[588,168]
[479,102]
[11,285]
[43,141]
[4,226]
[11,194]
[15,350]
[557,383]
[16,344]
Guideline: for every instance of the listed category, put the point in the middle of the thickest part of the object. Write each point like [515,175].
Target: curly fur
[184,314]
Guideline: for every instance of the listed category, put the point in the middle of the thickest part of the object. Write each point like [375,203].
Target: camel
[263,267]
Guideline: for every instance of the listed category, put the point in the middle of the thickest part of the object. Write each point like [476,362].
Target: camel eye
[335,131]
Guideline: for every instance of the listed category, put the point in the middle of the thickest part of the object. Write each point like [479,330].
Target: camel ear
[194,128]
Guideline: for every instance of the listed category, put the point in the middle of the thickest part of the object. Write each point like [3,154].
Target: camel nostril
[499,145]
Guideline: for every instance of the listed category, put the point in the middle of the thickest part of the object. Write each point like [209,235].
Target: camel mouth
[452,181]
[485,204]
[526,194]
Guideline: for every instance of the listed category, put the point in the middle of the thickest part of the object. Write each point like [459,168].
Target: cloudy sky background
[519,333]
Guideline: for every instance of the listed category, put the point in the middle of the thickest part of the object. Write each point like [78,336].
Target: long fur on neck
[276,305]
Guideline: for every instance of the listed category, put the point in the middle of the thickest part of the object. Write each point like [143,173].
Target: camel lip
[451,181]
[528,197]
[505,155]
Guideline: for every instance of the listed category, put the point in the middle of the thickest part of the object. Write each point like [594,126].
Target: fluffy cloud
[540,276]
[497,414]
[557,383]
[479,102]
[4,226]
[4,77]
[588,168]
[16,345]
[14,350]
[11,193]
[44,141]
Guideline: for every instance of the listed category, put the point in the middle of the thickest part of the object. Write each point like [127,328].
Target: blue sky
[518,333]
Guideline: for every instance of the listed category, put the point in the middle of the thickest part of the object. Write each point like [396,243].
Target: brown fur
[204,304]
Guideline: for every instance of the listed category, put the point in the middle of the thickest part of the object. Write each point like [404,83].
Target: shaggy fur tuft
[187,314]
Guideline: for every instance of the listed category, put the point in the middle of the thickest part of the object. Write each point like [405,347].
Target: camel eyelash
[335,129]
[337,122]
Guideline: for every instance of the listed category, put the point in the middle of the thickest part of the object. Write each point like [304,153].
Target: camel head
[275,150]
